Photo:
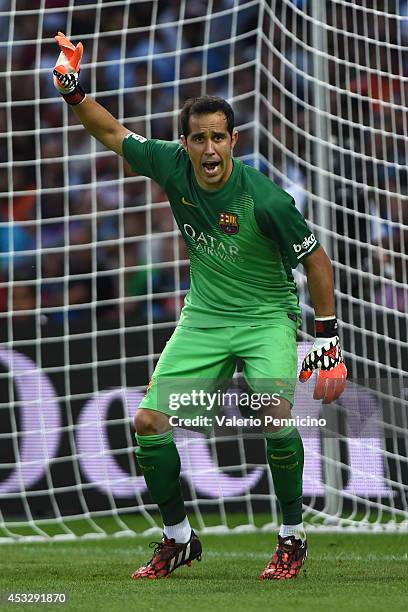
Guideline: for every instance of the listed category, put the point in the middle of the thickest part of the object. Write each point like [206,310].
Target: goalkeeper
[244,235]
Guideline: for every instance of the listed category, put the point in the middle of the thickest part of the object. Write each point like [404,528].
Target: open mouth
[211,167]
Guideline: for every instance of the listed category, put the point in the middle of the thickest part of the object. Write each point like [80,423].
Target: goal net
[93,271]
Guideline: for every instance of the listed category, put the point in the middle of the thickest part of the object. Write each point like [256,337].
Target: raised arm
[101,124]
[95,118]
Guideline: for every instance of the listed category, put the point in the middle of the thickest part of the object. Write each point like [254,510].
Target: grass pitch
[343,572]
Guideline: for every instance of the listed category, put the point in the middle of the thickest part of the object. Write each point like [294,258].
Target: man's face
[209,146]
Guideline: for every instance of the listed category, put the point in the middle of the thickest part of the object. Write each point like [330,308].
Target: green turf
[139,523]
[343,572]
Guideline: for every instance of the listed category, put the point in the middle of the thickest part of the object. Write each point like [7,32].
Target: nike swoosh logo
[187,203]
[283,456]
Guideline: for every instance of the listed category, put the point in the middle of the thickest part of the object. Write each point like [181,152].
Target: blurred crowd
[79,233]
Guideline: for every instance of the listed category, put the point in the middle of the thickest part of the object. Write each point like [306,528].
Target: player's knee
[275,416]
[150,422]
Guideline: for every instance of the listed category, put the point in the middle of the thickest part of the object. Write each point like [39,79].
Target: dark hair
[203,105]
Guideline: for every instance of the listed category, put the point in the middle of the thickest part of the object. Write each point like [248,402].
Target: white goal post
[93,271]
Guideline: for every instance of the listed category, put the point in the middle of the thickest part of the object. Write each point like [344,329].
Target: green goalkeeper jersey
[243,239]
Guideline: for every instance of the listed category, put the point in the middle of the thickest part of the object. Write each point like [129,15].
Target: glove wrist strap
[326,327]
[75,97]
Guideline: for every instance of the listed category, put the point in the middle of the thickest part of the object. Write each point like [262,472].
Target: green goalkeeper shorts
[197,365]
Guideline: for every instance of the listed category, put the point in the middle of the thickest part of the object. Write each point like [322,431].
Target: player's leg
[285,456]
[159,461]
[190,355]
[270,356]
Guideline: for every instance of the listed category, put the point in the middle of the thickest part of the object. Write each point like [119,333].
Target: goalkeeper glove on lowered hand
[66,70]
[326,357]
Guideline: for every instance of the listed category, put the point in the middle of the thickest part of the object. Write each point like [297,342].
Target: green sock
[285,457]
[158,458]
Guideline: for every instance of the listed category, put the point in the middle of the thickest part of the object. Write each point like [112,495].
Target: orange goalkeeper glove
[326,357]
[66,70]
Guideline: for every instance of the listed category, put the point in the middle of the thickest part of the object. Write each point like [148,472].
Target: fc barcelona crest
[228,223]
